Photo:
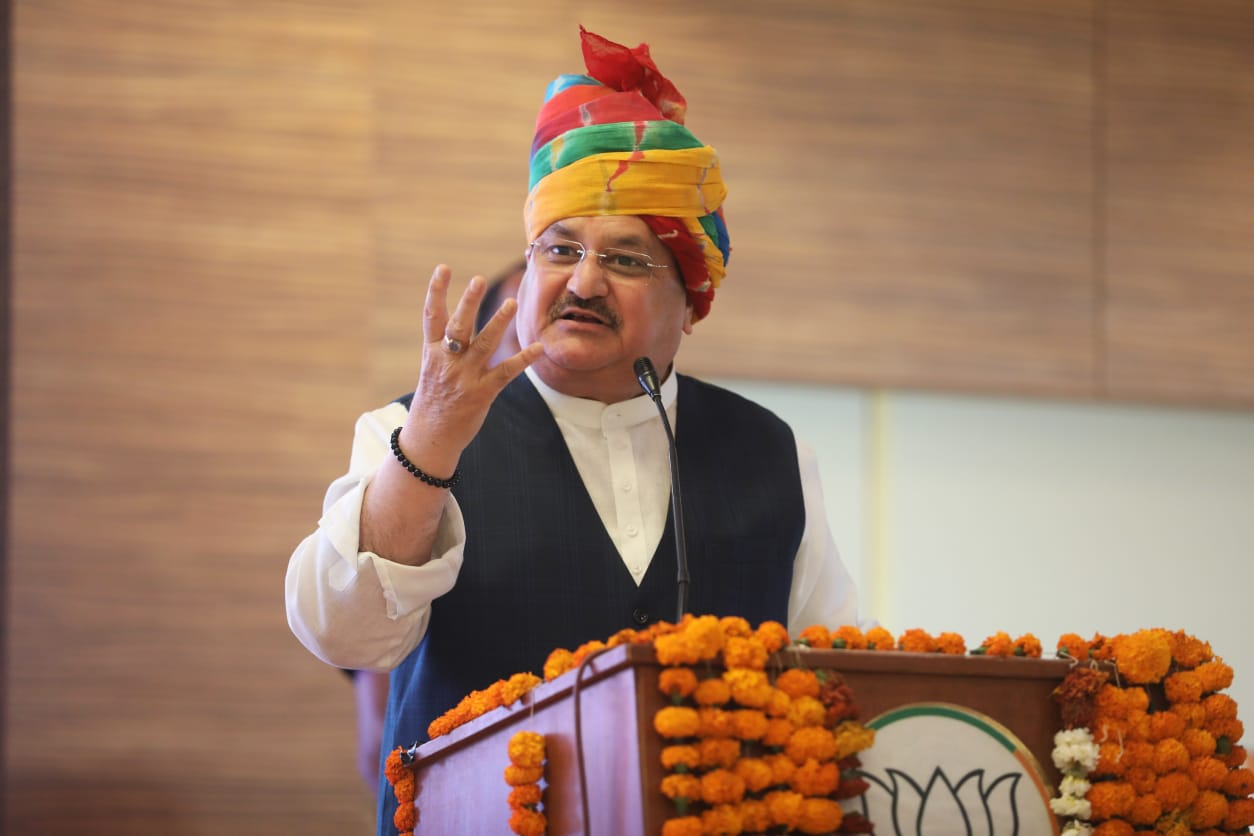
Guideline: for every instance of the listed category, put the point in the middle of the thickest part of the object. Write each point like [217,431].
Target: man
[504,514]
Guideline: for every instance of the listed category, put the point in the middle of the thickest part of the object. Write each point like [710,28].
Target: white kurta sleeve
[354,609]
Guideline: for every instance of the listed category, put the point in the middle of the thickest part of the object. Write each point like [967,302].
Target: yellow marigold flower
[849,637]
[1215,675]
[816,635]
[516,776]
[916,640]
[1189,652]
[719,752]
[723,819]
[528,795]
[748,724]
[951,643]
[1240,814]
[734,625]
[715,722]
[755,816]
[773,635]
[683,755]
[676,721]
[722,786]
[685,826]
[777,704]
[745,652]
[526,748]
[810,743]
[1164,725]
[778,730]
[1028,646]
[559,661]
[807,711]
[1239,782]
[1209,773]
[819,815]
[755,772]
[782,768]
[706,633]
[878,638]
[1183,686]
[676,649]
[1110,799]
[852,737]
[785,807]
[481,702]
[1209,809]
[798,682]
[517,685]
[1199,742]
[712,692]
[681,785]
[679,682]
[1170,756]
[1071,646]
[749,688]
[815,778]
[1145,810]
[1175,790]
[1143,656]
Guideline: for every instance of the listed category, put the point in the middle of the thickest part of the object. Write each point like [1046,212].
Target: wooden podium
[608,716]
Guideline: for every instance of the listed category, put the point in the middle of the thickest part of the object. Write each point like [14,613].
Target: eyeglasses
[620,264]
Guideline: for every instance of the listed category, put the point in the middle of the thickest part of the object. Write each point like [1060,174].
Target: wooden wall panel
[192,263]
[1179,313]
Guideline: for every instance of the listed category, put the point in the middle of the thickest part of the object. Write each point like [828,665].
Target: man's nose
[588,280]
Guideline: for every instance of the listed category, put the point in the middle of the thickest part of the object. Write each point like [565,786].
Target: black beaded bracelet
[414,469]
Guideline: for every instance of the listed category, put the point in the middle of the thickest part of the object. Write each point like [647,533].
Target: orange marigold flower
[676,649]
[1110,799]
[1170,756]
[781,766]
[1145,810]
[778,730]
[441,726]
[998,644]
[1175,790]
[1138,698]
[526,748]
[810,742]
[1215,675]
[798,682]
[707,634]
[755,772]
[1240,782]
[815,778]
[749,688]
[526,822]
[1110,763]
[773,635]
[1164,725]
[405,788]
[1183,686]
[951,643]
[680,785]
[1142,779]
[1138,753]
[1143,656]
[755,816]
[1229,728]
[1189,652]
[681,757]
[1209,773]
[1199,742]
[745,652]
[1028,646]
[1209,809]
[1137,725]
[1101,648]
[1240,814]
[777,704]
[394,767]
[916,640]
[405,817]
[785,807]
[585,650]
[725,818]
[849,637]
[715,722]
[516,776]
[722,786]
[807,711]
[878,638]
[1116,827]
[676,721]
[677,682]
[1236,756]
[685,826]
[623,636]
[1219,706]
[852,737]
[819,815]
[557,663]
[528,795]
[816,635]
[712,692]
[719,752]
[1112,703]
[1071,646]
[1192,713]
[748,724]
[734,625]
[1116,730]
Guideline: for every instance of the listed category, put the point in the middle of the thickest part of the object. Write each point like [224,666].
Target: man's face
[594,324]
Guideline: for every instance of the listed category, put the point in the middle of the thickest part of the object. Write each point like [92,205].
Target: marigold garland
[524,773]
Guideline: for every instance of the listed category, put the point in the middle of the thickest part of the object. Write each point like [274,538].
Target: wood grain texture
[1180,254]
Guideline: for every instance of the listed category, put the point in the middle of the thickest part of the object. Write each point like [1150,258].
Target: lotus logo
[943,770]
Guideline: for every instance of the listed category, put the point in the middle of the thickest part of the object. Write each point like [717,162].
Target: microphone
[646,375]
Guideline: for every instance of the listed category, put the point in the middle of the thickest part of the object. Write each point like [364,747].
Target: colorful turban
[613,143]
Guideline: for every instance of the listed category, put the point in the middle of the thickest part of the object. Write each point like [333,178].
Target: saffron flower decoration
[524,773]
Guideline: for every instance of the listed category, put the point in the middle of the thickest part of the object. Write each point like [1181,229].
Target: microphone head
[646,376]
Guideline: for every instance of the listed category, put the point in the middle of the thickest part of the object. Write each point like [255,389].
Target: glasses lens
[626,264]
[563,253]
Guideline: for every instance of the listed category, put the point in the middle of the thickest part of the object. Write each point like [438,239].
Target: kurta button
[640,616]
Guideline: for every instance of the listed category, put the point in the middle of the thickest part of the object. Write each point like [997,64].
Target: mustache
[594,306]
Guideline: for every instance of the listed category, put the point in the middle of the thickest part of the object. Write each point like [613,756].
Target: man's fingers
[435,309]
[461,324]
[511,367]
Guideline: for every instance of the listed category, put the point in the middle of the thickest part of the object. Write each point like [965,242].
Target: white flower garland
[1075,754]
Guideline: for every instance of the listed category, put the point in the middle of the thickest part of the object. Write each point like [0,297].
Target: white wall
[979,514]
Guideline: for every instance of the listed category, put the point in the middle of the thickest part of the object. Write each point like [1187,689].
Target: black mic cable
[646,375]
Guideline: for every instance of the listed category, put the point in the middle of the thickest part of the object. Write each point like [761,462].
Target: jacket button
[640,617]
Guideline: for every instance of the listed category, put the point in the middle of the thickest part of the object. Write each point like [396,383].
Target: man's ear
[688,319]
